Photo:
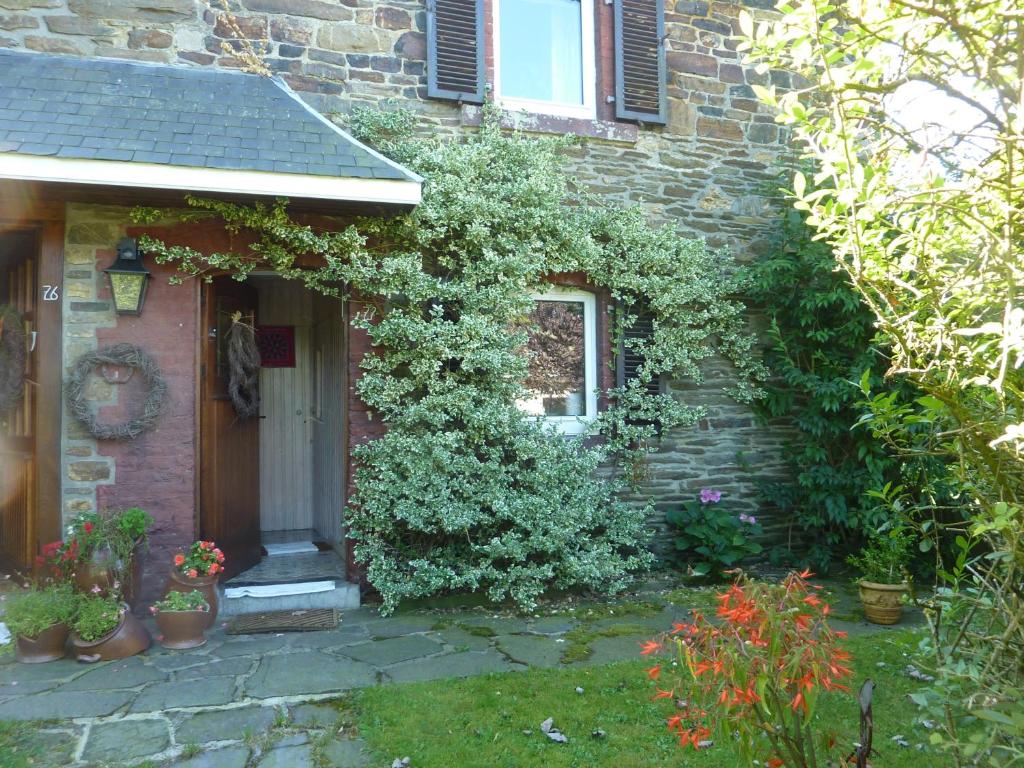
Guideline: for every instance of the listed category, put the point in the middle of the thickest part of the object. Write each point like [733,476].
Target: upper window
[562,346]
[544,56]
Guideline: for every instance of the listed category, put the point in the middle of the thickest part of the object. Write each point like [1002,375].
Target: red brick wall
[157,470]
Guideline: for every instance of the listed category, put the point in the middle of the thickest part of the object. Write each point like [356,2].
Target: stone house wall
[707,172]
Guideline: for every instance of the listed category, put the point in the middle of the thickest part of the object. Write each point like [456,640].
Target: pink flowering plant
[709,538]
[753,675]
[181,601]
[202,559]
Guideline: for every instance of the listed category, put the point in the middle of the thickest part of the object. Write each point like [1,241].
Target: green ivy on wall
[465,491]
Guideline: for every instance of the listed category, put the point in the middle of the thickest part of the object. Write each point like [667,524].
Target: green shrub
[97,617]
[29,613]
[822,343]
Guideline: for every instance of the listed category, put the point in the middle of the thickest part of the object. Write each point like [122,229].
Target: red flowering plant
[202,559]
[755,673]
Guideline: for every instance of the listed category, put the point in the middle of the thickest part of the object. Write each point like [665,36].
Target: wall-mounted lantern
[128,278]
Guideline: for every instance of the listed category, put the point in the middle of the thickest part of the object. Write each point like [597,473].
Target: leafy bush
[133,523]
[711,536]
[181,601]
[30,612]
[822,343]
[97,617]
[755,674]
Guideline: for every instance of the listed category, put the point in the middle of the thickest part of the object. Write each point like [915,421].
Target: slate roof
[103,109]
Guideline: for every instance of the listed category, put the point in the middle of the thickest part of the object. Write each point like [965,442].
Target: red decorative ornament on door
[277,345]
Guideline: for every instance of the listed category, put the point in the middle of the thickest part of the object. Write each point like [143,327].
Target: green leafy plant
[465,491]
[754,675]
[885,558]
[709,538]
[29,613]
[97,617]
[822,343]
[181,601]
[133,523]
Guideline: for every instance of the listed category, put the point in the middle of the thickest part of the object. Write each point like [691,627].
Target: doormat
[311,620]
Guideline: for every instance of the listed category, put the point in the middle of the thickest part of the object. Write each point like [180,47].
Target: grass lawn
[481,721]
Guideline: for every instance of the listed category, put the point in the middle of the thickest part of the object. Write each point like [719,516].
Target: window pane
[557,350]
[542,50]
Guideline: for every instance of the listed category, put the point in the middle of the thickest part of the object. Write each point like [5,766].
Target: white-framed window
[544,57]
[562,379]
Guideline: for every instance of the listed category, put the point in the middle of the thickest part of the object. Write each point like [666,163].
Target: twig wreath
[12,358]
[128,356]
[243,368]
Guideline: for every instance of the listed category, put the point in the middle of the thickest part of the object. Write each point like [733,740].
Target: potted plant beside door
[883,584]
[198,569]
[105,629]
[39,619]
[181,619]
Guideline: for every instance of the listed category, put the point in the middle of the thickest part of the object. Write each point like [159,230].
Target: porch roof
[127,124]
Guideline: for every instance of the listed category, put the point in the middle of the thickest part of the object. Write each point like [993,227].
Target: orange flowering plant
[754,672]
[203,559]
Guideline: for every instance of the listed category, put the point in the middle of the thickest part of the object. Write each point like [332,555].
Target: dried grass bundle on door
[243,367]
[13,357]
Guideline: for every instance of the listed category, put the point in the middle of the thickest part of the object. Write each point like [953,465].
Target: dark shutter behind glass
[640,60]
[455,50]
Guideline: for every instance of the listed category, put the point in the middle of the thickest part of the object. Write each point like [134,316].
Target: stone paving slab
[224,724]
[307,672]
[228,757]
[127,739]
[204,692]
[60,706]
[464,664]
[384,653]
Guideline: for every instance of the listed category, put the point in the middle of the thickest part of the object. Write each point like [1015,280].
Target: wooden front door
[229,512]
[19,261]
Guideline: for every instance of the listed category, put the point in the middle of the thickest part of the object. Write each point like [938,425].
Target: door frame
[46,219]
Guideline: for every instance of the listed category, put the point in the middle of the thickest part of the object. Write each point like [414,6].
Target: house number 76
[51,293]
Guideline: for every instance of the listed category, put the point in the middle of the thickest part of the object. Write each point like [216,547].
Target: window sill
[472,115]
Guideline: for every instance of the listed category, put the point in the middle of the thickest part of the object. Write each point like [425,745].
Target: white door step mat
[279,590]
[290,548]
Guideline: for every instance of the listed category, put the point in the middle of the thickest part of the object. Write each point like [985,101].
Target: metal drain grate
[310,620]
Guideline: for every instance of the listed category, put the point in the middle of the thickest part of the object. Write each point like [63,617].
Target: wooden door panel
[229,452]
[18,429]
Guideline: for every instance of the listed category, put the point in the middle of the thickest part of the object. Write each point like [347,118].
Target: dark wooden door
[229,472]
[18,429]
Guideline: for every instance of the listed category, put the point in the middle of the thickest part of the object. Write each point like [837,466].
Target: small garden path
[273,700]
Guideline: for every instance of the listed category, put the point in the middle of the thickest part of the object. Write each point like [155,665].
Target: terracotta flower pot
[207,585]
[128,638]
[883,603]
[103,572]
[181,629]
[48,645]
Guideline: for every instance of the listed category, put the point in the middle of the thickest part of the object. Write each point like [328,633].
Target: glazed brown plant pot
[128,638]
[102,574]
[181,629]
[883,603]
[206,585]
[48,645]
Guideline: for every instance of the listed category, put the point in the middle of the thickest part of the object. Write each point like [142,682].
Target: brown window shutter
[628,361]
[640,60]
[455,50]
